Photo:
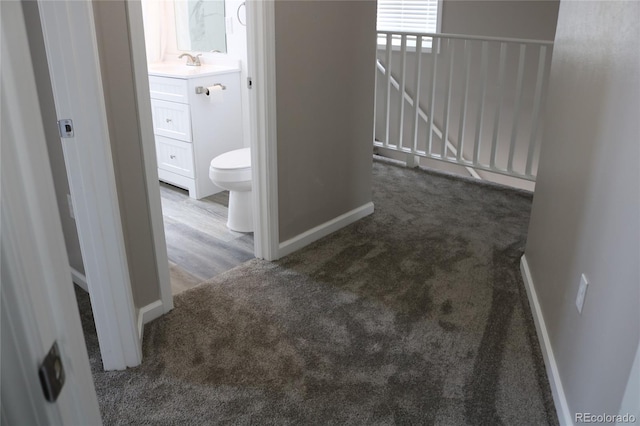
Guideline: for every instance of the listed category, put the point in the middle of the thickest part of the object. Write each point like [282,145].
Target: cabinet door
[175,156]
[168,89]
[171,119]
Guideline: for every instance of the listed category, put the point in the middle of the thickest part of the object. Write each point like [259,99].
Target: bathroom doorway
[199,244]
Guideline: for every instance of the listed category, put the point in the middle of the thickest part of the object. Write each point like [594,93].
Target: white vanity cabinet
[192,128]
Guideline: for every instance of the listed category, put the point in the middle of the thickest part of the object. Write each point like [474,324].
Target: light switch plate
[582,291]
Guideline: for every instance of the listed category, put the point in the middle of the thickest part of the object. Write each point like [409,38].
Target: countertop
[180,70]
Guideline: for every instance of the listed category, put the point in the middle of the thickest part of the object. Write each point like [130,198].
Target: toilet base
[240,217]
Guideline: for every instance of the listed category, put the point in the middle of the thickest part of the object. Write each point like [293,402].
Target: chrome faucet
[192,61]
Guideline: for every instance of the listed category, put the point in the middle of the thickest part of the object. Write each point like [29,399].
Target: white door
[38,305]
[72,58]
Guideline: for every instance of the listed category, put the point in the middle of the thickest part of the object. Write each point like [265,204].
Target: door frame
[261,57]
[262,122]
[38,304]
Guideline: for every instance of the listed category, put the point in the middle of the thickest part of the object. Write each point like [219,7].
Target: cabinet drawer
[168,89]
[171,119]
[175,156]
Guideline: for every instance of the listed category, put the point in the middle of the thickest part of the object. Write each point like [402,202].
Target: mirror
[200,25]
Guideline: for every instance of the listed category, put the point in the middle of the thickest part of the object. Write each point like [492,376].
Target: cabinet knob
[168,120]
[172,157]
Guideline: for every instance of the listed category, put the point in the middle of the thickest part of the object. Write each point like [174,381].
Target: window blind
[417,16]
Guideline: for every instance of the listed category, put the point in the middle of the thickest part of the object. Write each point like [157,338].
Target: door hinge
[65,126]
[51,373]
[249,82]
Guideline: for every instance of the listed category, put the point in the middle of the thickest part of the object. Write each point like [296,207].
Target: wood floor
[199,244]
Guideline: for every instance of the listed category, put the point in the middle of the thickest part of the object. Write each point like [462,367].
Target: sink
[173,69]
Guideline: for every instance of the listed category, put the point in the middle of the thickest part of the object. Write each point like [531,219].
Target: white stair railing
[423,115]
[493,88]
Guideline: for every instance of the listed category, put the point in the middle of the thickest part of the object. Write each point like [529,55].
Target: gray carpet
[414,315]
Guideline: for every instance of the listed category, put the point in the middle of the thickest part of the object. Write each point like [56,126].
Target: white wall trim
[263,135]
[79,279]
[147,140]
[325,229]
[630,404]
[559,398]
[148,313]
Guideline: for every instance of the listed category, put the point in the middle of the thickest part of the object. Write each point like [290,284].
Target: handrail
[470,37]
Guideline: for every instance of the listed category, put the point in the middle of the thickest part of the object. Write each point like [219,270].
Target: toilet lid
[237,159]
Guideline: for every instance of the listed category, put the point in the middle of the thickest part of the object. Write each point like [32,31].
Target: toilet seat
[232,166]
[236,159]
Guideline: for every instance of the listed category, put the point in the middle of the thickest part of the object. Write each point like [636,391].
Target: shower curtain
[156,16]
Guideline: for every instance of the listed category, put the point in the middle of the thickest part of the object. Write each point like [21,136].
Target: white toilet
[232,171]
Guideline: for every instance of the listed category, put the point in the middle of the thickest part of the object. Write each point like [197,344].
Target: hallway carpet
[414,315]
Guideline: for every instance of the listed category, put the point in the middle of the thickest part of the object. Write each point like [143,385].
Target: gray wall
[126,147]
[325,53]
[54,146]
[534,19]
[586,208]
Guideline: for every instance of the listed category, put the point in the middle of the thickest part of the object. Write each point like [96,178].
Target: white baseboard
[324,229]
[79,279]
[631,399]
[148,313]
[562,407]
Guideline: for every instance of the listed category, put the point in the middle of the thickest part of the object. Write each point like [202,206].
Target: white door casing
[262,111]
[38,305]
